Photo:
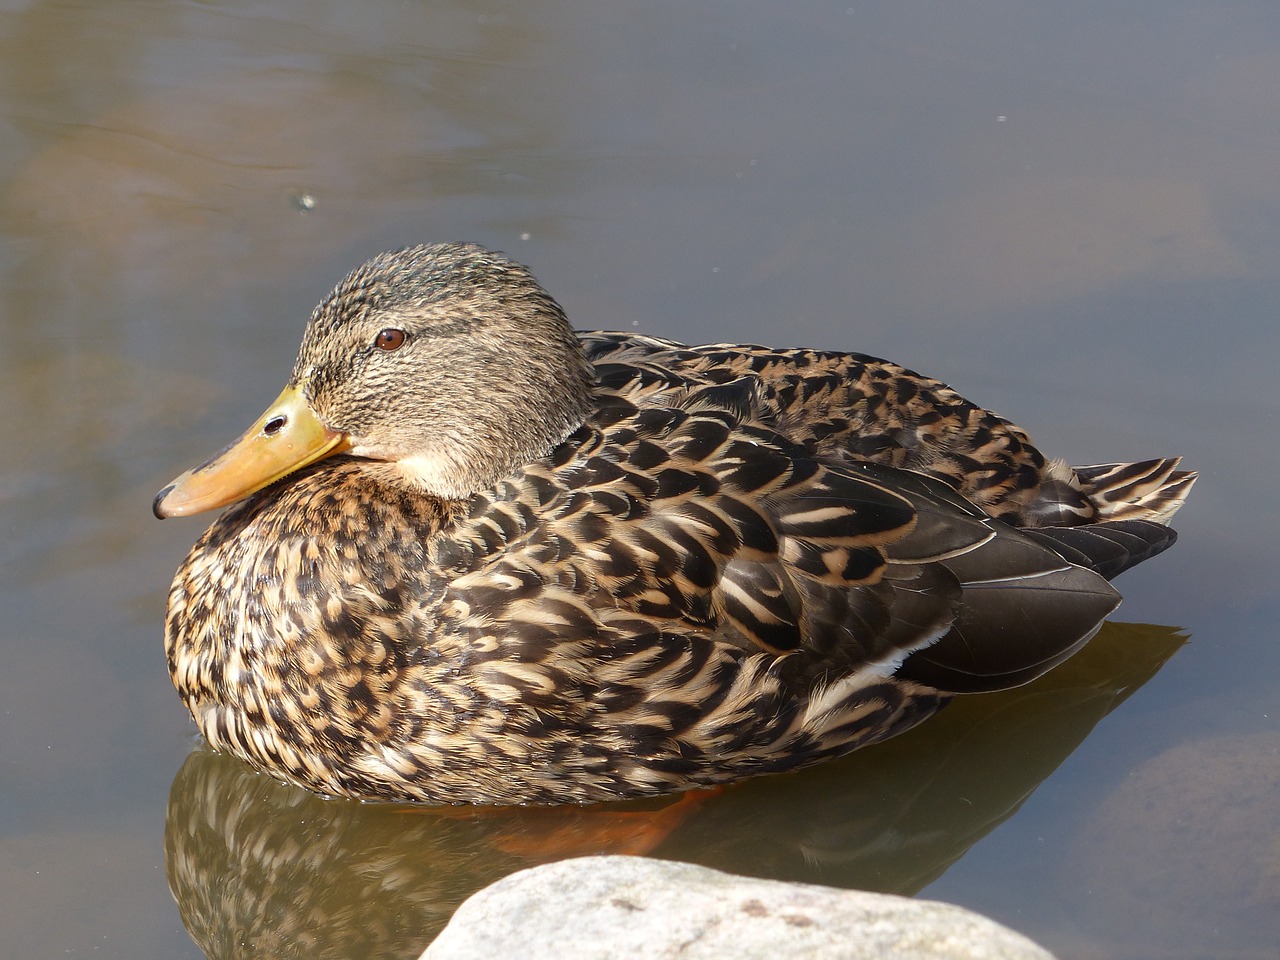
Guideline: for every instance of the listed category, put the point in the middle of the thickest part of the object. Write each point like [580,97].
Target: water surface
[1070,214]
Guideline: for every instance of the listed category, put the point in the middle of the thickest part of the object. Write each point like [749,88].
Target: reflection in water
[259,868]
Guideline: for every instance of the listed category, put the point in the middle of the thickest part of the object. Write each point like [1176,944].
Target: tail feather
[1147,490]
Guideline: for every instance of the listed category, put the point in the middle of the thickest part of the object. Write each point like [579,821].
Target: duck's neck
[479,443]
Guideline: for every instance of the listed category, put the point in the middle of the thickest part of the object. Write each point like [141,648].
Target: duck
[474,556]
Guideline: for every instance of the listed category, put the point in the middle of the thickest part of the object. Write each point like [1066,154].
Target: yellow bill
[284,439]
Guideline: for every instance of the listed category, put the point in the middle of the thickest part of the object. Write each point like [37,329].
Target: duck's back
[861,408]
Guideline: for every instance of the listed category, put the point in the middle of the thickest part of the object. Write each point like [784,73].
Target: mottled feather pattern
[522,627]
[743,560]
[852,405]
[544,593]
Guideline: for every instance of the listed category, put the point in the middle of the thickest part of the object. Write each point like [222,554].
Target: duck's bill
[286,438]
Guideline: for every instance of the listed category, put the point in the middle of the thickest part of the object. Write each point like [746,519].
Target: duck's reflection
[261,869]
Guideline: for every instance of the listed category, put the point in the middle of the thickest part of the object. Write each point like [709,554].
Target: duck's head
[448,361]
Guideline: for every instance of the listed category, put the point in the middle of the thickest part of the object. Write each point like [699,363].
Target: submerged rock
[632,907]
[1184,857]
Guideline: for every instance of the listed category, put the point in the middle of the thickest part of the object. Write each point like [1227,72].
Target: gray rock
[624,907]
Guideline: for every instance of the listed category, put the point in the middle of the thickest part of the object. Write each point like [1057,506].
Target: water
[1071,215]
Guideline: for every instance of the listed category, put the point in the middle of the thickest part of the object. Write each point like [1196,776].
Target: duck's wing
[680,507]
[1024,606]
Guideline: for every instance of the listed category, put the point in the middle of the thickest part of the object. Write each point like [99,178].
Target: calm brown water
[1070,213]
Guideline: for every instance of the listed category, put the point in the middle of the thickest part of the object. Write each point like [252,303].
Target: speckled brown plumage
[534,580]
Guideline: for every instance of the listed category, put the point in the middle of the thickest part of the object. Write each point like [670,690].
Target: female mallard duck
[489,560]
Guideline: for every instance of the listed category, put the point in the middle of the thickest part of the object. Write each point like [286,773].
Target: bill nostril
[274,425]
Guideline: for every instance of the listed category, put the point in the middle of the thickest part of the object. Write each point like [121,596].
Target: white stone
[633,907]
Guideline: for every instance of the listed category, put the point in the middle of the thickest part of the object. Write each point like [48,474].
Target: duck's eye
[389,339]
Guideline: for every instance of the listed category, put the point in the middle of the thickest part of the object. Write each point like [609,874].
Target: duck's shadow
[260,869]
